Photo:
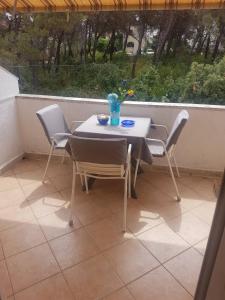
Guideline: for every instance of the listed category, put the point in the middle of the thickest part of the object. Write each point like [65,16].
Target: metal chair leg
[125,205]
[136,171]
[129,181]
[81,180]
[47,165]
[175,163]
[72,195]
[86,184]
[173,177]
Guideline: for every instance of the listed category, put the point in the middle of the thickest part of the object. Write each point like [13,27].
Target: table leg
[133,163]
[134,194]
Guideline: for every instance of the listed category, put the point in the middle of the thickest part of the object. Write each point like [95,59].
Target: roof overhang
[107,5]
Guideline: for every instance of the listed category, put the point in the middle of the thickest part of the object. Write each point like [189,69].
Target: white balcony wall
[10,140]
[201,145]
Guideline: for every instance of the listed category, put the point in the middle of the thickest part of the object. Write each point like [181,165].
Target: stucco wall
[201,145]
[8,84]
[10,140]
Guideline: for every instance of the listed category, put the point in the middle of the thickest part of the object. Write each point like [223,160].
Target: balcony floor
[160,257]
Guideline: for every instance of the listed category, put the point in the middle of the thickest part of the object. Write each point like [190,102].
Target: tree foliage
[85,54]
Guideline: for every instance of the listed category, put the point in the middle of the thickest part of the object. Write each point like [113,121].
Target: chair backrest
[52,120]
[99,151]
[178,125]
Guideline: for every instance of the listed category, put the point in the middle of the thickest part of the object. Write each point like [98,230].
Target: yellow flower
[130,92]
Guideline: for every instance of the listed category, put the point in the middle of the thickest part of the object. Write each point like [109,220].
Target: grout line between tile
[177,281]
[39,281]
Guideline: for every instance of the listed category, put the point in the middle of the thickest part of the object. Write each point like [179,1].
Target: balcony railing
[201,145]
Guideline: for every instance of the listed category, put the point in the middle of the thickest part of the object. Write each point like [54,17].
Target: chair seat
[61,144]
[156,149]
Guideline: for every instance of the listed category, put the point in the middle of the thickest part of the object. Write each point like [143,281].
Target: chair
[161,148]
[103,159]
[55,128]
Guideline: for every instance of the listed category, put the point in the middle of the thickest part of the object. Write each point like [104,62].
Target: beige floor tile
[92,279]
[160,223]
[122,294]
[170,211]
[190,198]
[190,228]
[48,204]
[25,165]
[11,197]
[149,194]
[56,168]
[31,266]
[62,181]
[205,211]
[1,252]
[80,198]
[42,160]
[140,219]
[5,284]
[20,238]
[29,177]
[38,189]
[73,248]
[8,181]
[57,224]
[203,186]
[7,173]
[108,232]
[163,242]
[109,194]
[54,288]
[158,285]
[89,211]
[165,212]
[191,181]
[201,246]
[191,262]
[205,189]
[167,187]
[14,216]
[158,202]
[130,260]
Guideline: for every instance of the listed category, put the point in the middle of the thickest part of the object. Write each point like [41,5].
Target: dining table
[135,135]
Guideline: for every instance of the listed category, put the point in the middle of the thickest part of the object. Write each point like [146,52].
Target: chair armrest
[157,141]
[62,134]
[161,126]
[58,135]
[77,122]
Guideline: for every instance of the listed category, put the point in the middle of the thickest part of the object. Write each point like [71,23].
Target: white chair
[161,148]
[102,159]
[56,130]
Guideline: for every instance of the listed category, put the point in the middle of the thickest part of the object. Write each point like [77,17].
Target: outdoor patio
[160,256]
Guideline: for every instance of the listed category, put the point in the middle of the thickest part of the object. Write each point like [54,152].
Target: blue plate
[127,123]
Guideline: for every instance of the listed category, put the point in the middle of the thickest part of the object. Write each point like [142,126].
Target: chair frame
[53,147]
[170,156]
[172,149]
[103,171]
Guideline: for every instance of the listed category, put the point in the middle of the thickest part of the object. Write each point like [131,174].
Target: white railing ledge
[132,103]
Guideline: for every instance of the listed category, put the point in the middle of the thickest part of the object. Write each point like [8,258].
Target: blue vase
[114,104]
